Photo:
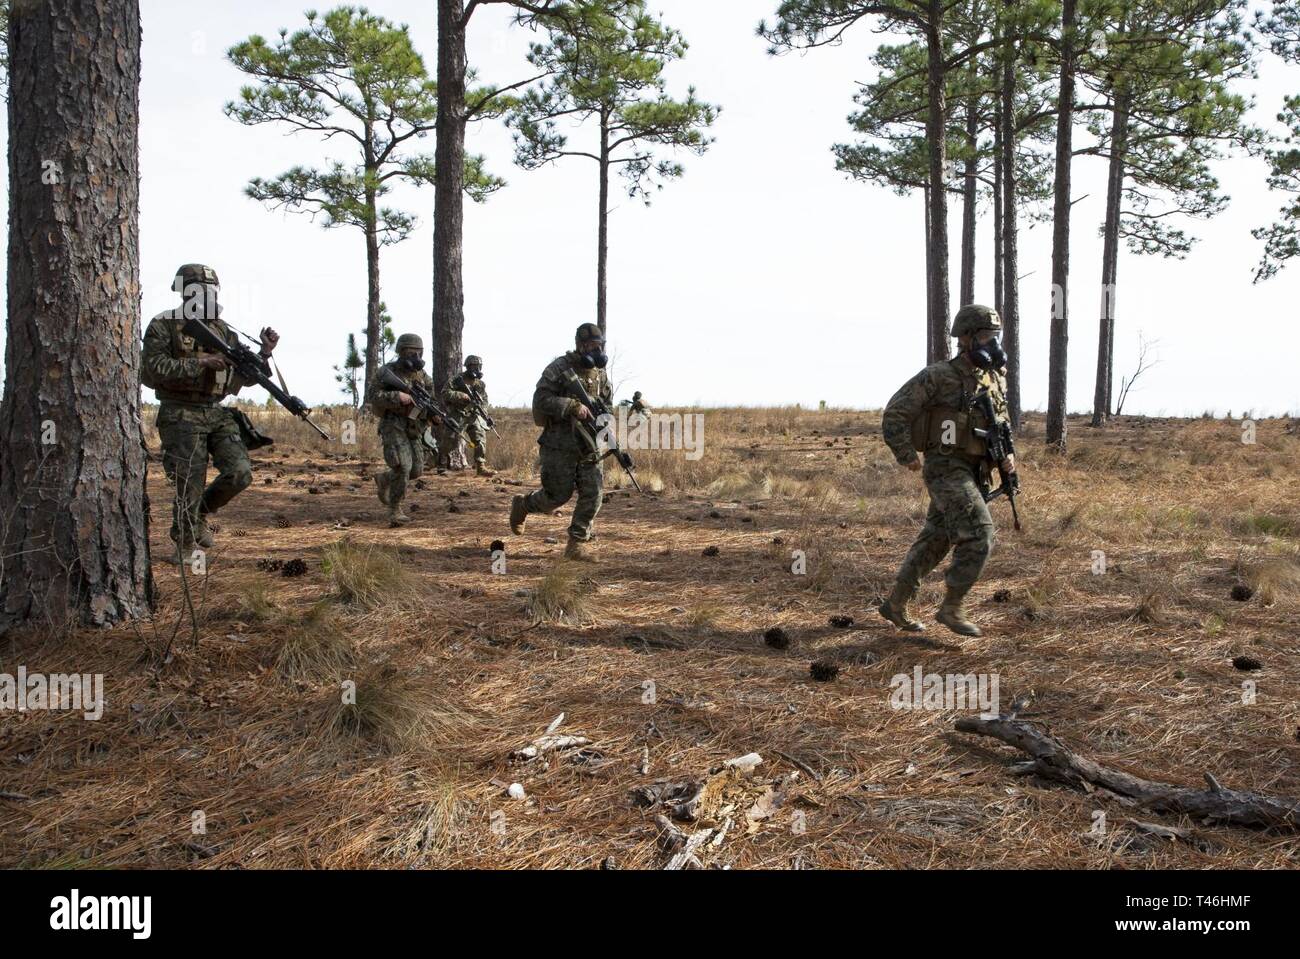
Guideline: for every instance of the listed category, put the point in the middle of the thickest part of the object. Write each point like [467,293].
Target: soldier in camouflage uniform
[190,384]
[569,462]
[934,414]
[457,397]
[637,409]
[401,427]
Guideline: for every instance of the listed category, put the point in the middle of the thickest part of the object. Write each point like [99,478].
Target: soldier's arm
[454,397]
[550,398]
[384,401]
[904,407]
[237,382]
[1000,405]
[606,390]
[156,357]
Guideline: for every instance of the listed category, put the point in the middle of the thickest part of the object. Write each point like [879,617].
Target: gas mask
[593,358]
[412,364]
[989,356]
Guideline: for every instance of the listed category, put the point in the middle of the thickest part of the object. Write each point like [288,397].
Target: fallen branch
[550,741]
[682,846]
[1054,761]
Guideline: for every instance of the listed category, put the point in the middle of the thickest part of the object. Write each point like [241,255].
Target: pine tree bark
[969,201]
[372,266]
[74,532]
[936,127]
[929,281]
[1010,239]
[998,238]
[1057,425]
[602,238]
[1101,400]
[449,204]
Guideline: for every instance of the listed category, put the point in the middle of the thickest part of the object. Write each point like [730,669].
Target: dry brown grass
[562,596]
[367,575]
[457,672]
[313,648]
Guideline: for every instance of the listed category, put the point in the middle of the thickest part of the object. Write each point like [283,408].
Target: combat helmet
[974,317]
[589,332]
[410,341]
[194,274]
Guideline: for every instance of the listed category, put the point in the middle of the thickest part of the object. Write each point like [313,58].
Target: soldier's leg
[230,457]
[417,458]
[927,552]
[398,456]
[591,483]
[475,436]
[478,436]
[970,529]
[559,479]
[185,462]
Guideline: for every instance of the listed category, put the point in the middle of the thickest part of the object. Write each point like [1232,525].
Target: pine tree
[1282,239]
[605,67]
[352,74]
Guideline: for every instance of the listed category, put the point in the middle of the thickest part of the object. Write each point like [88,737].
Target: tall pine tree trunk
[929,281]
[74,544]
[969,198]
[449,203]
[372,266]
[998,239]
[1057,425]
[936,126]
[1110,259]
[1010,238]
[602,232]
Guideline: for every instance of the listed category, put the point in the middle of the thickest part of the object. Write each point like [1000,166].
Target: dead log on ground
[1054,760]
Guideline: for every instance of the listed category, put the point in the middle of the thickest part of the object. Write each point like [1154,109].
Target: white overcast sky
[762,277]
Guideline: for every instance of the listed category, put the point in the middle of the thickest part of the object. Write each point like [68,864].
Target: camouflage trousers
[958,520]
[190,435]
[562,473]
[404,455]
[477,435]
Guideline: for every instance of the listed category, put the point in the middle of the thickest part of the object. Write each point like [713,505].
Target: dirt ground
[242,752]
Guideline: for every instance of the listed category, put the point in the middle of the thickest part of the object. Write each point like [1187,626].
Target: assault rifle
[423,399]
[592,429]
[476,402]
[1000,444]
[249,367]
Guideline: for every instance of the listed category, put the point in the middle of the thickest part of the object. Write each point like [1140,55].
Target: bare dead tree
[1145,362]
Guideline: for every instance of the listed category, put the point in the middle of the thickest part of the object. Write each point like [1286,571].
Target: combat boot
[895,610]
[381,486]
[484,470]
[203,535]
[518,515]
[953,615]
[396,517]
[578,552]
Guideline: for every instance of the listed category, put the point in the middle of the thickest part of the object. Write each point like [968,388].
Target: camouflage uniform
[401,429]
[933,412]
[456,397]
[568,462]
[192,424]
